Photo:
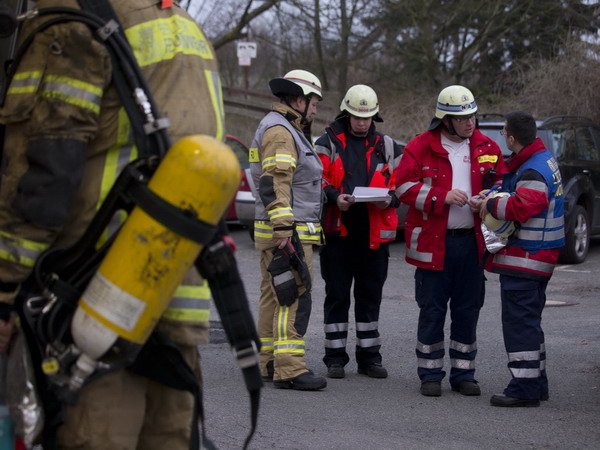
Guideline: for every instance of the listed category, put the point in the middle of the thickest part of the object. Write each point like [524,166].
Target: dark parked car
[575,143]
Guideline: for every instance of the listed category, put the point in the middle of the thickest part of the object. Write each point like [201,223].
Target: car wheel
[577,237]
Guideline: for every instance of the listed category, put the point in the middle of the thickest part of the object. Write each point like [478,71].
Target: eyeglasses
[462,119]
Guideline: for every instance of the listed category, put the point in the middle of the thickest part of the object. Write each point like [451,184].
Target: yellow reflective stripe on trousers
[25,82]
[162,39]
[19,250]
[266,343]
[118,156]
[282,344]
[190,304]
[289,346]
[75,92]
[216,97]
[282,318]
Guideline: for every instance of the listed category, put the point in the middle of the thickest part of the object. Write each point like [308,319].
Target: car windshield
[240,150]
[494,134]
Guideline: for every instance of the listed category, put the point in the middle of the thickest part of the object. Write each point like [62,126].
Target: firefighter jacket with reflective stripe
[287,174]
[424,178]
[537,206]
[68,136]
[382,158]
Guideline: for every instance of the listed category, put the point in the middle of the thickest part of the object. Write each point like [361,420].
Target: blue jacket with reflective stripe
[546,229]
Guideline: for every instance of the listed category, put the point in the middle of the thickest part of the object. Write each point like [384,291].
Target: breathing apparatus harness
[63,274]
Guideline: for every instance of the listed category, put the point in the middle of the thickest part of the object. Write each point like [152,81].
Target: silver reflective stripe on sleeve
[534,185]
[19,250]
[422,196]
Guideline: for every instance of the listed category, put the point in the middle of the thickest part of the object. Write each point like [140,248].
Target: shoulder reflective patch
[162,39]
[253,155]
[487,158]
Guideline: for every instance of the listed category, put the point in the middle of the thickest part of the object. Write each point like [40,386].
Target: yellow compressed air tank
[137,278]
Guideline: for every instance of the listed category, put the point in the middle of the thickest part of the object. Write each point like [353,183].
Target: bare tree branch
[245,19]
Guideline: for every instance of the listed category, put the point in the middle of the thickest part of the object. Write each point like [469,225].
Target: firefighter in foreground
[67,139]
[526,264]
[356,250]
[440,170]
[287,173]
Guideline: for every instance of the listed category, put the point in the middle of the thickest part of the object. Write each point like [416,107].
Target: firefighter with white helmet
[354,154]
[441,169]
[287,174]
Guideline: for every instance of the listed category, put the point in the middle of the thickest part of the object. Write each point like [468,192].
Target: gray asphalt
[363,413]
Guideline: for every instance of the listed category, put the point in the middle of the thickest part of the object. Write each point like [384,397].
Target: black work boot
[512,402]
[373,371]
[305,382]
[335,371]
[467,387]
[431,388]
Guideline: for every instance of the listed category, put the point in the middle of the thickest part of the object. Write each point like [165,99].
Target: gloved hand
[282,276]
[298,262]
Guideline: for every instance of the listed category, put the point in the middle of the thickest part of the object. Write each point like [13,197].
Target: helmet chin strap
[450,129]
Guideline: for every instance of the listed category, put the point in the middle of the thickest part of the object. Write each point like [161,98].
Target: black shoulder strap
[104,10]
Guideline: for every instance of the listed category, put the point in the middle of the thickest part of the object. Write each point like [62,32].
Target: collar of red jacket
[516,160]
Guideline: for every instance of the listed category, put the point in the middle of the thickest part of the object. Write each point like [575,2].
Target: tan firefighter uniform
[281,150]
[67,139]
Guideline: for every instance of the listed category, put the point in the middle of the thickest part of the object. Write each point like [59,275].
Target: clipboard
[370,194]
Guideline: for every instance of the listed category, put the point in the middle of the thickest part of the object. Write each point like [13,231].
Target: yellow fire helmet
[503,228]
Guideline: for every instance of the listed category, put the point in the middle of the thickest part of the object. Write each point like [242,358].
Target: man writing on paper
[354,155]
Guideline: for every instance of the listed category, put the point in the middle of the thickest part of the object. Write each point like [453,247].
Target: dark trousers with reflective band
[462,283]
[522,304]
[342,262]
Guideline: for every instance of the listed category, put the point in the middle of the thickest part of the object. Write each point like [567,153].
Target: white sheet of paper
[370,194]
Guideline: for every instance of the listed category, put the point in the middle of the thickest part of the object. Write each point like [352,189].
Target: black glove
[299,262]
[282,276]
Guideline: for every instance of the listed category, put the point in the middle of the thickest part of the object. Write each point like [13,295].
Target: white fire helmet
[296,82]
[503,228]
[455,101]
[360,101]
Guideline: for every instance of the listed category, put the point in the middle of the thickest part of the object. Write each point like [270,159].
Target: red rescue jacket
[383,156]
[424,178]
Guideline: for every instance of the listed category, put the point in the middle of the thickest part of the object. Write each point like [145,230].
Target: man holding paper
[360,219]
